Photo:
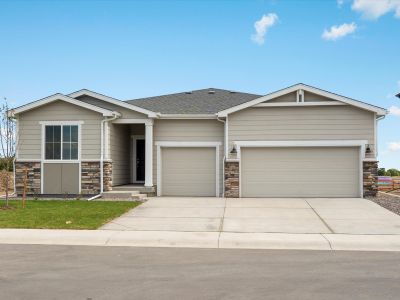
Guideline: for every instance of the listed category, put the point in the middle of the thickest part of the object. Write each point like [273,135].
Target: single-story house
[300,141]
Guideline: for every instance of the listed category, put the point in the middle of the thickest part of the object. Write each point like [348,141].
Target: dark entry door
[140,160]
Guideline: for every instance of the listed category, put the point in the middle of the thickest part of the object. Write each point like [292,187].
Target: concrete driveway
[259,215]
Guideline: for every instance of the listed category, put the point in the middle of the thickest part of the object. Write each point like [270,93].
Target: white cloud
[340,3]
[373,9]
[394,146]
[394,110]
[336,32]
[262,27]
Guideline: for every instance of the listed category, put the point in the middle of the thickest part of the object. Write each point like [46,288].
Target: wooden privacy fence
[388,183]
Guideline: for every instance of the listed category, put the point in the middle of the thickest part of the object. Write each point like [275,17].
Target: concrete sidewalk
[224,240]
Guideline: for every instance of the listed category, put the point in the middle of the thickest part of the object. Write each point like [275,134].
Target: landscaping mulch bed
[387,201]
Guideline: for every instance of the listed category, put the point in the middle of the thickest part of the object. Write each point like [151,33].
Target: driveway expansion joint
[221,227]
[322,220]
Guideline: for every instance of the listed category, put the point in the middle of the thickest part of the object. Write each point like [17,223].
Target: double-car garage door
[300,172]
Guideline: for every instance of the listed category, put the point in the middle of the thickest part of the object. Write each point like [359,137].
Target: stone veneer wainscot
[90,177]
[33,184]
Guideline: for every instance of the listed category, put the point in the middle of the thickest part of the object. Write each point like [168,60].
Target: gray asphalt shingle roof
[205,101]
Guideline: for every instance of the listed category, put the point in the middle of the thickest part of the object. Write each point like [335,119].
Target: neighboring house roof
[398,95]
[60,97]
[300,86]
[205,101]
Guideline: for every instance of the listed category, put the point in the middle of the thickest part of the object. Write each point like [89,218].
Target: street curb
[225,240]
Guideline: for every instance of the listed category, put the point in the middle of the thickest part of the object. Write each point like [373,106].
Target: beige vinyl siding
[120,153]
[302,123]
[126,113]
[311,97]
[291,97]
[300,172]
[188,131]
[188,172]
[30,130]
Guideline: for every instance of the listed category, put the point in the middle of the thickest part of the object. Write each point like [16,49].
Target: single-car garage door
[300,172]
[188,171]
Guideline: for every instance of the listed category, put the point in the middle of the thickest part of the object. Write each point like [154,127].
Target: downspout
[115,116]
[12,116]
[224,157]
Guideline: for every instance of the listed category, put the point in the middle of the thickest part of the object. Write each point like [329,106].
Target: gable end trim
[59,97]
[114,101]
[379,111]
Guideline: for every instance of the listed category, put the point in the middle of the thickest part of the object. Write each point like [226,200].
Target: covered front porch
[130,148]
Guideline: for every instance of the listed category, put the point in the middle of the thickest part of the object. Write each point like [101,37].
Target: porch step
[124,196]
[134,187]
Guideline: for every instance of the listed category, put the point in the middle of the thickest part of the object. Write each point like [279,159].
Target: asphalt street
[84,272]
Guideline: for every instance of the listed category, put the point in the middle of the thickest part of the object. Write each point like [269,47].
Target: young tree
[7,147]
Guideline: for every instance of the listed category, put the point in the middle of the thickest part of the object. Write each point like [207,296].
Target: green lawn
[61,214]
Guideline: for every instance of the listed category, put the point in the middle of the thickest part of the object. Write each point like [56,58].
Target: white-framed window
[61,141]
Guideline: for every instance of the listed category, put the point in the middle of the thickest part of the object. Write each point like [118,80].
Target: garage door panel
[300,172]
[60,178]
[188,171]
[70,178]
[52,178]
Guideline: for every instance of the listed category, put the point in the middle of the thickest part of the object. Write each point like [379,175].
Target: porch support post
[148,181]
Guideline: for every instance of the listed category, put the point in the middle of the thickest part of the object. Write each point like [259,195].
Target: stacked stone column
[90,180]
[370,178]
[231,179]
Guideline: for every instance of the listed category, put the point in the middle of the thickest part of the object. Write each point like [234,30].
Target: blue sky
[131,49]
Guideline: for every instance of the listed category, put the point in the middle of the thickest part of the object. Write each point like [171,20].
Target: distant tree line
[389,172]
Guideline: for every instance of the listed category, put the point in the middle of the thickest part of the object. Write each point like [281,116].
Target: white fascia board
[108,99]
[61,122]
[316,143]
[297,104]
[187,144]
[133,121]
[379,111]
[187,116]
[61,97]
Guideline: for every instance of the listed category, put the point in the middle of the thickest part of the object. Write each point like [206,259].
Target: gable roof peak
[308,88]
[114,101]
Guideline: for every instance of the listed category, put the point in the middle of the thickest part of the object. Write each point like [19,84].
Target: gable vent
[211,92]
[188,93]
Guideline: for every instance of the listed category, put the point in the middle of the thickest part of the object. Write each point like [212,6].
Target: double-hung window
[61,142]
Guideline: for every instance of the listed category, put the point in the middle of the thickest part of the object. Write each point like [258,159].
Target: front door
[140,160]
